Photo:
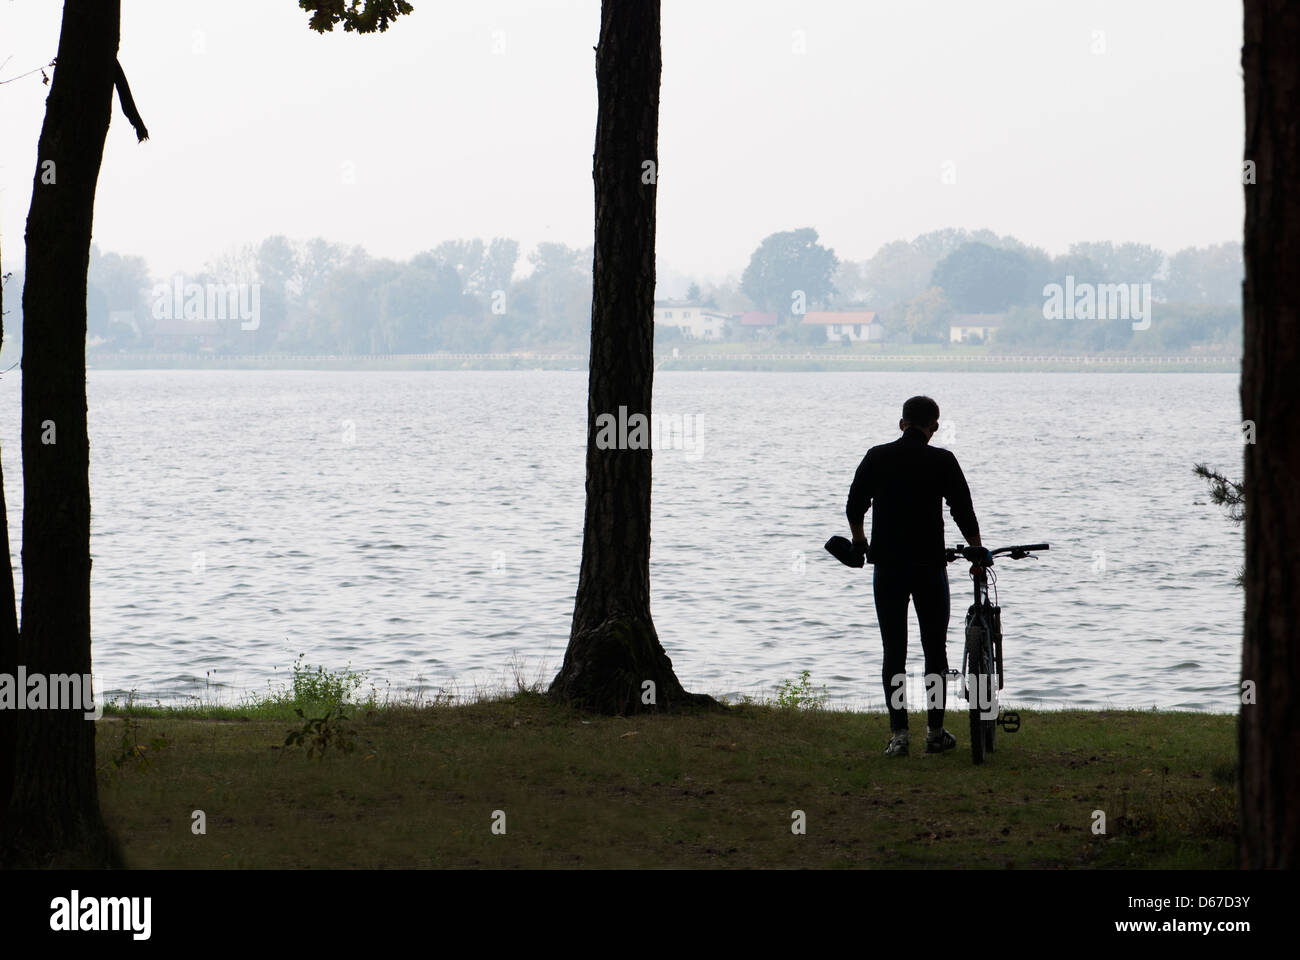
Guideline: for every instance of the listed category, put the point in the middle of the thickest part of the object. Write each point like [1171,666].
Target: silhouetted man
[906,481]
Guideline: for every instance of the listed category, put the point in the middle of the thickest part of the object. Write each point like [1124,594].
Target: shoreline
[703,361]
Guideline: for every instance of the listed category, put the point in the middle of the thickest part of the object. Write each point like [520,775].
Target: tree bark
[53,817]
[1269,729]
[8,623]
[614,662]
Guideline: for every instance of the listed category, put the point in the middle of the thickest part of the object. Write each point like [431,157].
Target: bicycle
[981,658]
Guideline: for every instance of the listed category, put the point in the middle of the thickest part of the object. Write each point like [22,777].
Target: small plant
[324,686]
[795,695]
[318,734]
[130,750]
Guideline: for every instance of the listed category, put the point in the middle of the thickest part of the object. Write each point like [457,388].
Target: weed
[324,686]
[795,695]
[129,749]
[319,733]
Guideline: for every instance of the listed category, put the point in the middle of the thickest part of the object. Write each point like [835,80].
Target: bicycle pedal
[1009,721]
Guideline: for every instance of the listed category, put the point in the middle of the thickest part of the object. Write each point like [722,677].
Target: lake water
[426,527]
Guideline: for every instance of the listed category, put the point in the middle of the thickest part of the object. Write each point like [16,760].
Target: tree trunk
[614,662]
[1269,729]
[53,817]
[8,623]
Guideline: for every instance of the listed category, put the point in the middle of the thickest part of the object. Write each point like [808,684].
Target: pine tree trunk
[614,662]
[1269,729]
[8,623]
[53,817]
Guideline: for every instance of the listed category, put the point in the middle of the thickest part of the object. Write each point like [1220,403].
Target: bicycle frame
[982,657]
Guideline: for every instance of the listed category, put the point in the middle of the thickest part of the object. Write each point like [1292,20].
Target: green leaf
[359,16]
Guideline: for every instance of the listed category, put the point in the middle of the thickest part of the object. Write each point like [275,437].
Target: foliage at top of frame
[360,16]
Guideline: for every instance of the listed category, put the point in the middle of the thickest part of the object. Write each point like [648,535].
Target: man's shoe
[939,742]
[898,744]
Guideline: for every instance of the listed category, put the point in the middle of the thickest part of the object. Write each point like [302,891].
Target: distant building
[754,326]
[970,327]
[856,325]
[187,336]
[695,321]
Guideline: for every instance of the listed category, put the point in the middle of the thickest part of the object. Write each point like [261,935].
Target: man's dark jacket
[906,481]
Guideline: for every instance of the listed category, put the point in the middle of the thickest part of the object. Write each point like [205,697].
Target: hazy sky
[1062,121]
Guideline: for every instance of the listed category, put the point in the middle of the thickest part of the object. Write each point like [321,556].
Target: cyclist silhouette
[906,481]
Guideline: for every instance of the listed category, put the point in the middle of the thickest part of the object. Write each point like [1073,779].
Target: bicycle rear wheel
[976,736]
[976,684]
[982,693]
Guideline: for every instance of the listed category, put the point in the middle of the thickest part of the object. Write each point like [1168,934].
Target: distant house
[971,327]
[854,324]
[186,336]
[754,326]
[695,321]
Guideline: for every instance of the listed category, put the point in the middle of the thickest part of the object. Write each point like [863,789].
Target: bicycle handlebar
[1017,552]
[1022,550]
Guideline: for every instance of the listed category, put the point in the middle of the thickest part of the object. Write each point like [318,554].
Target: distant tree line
[322,297]
[474,296]
[916,287]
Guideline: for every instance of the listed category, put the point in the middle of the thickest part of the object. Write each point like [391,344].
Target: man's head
[922,413]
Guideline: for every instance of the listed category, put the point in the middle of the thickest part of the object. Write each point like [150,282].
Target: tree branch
[360,16]
[1224,492]
[128,104]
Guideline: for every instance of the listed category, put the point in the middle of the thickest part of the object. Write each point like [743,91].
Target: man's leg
[930,596]
[889,586]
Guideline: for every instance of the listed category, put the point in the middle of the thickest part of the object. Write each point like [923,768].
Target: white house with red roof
[856,325]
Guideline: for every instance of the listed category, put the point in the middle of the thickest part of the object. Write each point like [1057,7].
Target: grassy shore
[419,787]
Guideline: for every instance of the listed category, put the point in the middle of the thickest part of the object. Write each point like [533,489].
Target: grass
[423,783]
